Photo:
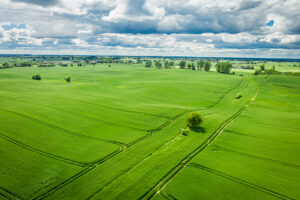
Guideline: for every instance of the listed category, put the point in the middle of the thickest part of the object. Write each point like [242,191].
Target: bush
[185,131]
[37,77]
[193,120]
[238,96]
[68,79]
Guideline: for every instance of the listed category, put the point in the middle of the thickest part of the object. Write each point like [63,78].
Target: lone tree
[68,79]
[193,120]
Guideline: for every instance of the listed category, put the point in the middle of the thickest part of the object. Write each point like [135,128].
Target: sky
[201,28]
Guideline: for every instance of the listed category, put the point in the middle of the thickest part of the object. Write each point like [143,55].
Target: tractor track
[62,184]
[167,196]
[9,195]
[122,148]
[240,181]
[151,132]
[257,157]
[131,168]
[176,169]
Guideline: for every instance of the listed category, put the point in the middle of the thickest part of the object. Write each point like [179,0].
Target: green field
[115,133]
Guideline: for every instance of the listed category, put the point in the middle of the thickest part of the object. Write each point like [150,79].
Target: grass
[259,150]
[115,133]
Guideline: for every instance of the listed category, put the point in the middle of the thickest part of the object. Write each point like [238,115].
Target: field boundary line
[175,170]
[64,130]
[131,168]
[257,157]
[167,196]
[65,182]
[238,180]
[77,114]
[113,108]
[25,146]
[9,195]
[151,132]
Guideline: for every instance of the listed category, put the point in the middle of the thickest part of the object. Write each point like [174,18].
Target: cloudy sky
[204,28]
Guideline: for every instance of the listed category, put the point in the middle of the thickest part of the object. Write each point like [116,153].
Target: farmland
[114,132]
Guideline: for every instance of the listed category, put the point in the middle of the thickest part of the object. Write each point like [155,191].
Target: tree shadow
[199,129]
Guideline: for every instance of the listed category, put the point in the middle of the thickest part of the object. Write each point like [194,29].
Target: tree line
[199,65]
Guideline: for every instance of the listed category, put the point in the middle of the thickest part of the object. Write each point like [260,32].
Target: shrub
[238,96]
[185,131]
[193,120]
[37,77]
[68,79]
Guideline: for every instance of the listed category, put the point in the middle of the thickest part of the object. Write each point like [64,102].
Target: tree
[68,79]
[194,119]
[6,65]
[158,64]
[182,64]
[223,67]
[189,65]
[167,64]
[148,63]
[200,64]
[193,66]
[207,66]
[262,67]
[171,64]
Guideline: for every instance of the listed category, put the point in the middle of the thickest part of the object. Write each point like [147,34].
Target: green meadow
[115,133]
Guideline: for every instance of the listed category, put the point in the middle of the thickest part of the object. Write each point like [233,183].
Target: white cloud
[172,27]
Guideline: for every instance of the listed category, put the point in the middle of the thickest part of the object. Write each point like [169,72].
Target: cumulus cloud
[177,27]
[39,2]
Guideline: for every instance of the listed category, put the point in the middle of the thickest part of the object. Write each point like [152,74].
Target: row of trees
[159,65]
[201,64]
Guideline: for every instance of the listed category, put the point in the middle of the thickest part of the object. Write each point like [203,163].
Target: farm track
[257,157]
[240,181]
[151,132]
[129,169]
[67,181]
[160,128]
[175,170]
[167,196]
[8,195]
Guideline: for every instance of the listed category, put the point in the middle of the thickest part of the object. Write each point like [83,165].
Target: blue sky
[204,28]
